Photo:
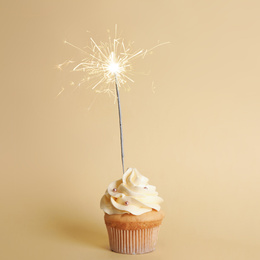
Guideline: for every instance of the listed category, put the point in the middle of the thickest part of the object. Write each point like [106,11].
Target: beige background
[196,138]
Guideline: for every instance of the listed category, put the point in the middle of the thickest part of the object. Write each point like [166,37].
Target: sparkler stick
[107,64]
[120,123]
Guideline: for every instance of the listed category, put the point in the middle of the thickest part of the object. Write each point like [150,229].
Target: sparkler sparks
[105,60]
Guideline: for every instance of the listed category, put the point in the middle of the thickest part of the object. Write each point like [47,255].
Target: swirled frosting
[131,194]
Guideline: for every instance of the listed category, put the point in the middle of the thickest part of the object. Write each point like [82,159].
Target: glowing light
[113,66]
[104,61]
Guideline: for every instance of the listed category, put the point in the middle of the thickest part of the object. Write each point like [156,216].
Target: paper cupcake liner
[133,241]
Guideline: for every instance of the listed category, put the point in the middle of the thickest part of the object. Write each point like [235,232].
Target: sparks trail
[102,61]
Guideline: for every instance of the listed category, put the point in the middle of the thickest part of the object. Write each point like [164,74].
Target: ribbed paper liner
[133,241]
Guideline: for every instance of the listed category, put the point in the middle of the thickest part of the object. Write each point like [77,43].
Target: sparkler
[109,65]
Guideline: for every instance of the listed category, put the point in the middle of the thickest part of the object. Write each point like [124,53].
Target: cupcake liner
[137,241]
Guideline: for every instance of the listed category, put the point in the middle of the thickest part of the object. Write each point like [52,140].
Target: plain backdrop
[191,123]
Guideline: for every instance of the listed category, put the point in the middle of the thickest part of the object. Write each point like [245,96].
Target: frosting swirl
[131,194]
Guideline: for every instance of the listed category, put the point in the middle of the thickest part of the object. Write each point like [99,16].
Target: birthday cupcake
[132,214]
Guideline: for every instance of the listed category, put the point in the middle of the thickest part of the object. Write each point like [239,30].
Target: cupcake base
[130,234]
[133,241]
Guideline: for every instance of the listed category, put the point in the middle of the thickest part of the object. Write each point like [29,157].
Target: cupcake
[132,214]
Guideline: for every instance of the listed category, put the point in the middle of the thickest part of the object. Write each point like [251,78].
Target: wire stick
[120,123]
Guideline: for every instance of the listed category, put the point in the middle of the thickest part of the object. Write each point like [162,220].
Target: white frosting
[131,194]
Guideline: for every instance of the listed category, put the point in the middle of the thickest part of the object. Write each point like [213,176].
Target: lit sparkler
[110,65]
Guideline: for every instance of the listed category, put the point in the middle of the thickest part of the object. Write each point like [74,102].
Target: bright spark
[106,60]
